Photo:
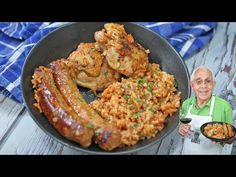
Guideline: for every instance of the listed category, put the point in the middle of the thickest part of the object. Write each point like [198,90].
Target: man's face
[203,84]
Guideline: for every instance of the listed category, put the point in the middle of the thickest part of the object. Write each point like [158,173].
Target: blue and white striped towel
[18,38]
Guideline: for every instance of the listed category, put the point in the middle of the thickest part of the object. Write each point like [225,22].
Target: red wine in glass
[185,120]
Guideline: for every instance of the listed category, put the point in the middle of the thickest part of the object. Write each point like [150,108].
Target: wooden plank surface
[20,135]
[10,112]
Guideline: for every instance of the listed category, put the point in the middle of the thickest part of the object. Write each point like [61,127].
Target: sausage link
[60,115]
[107,136]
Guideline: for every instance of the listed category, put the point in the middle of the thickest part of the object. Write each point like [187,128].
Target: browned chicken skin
[87,58]
[60,115]
[89,68]
[107,136]
[121,51]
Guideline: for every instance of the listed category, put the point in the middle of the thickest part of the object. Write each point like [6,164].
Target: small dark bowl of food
[218,131]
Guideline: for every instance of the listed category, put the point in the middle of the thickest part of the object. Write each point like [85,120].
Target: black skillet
[64,40]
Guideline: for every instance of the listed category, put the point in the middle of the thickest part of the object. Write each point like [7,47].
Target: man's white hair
[202,67]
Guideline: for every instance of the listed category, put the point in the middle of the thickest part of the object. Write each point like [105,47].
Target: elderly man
[202,108]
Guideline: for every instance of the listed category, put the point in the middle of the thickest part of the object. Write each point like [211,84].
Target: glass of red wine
[185,120]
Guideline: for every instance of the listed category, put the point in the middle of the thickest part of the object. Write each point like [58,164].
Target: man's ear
[191,84]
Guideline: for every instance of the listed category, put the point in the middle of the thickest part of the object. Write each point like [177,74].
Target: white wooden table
[20,135]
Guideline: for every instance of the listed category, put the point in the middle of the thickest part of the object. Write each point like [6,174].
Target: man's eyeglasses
[206,82]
